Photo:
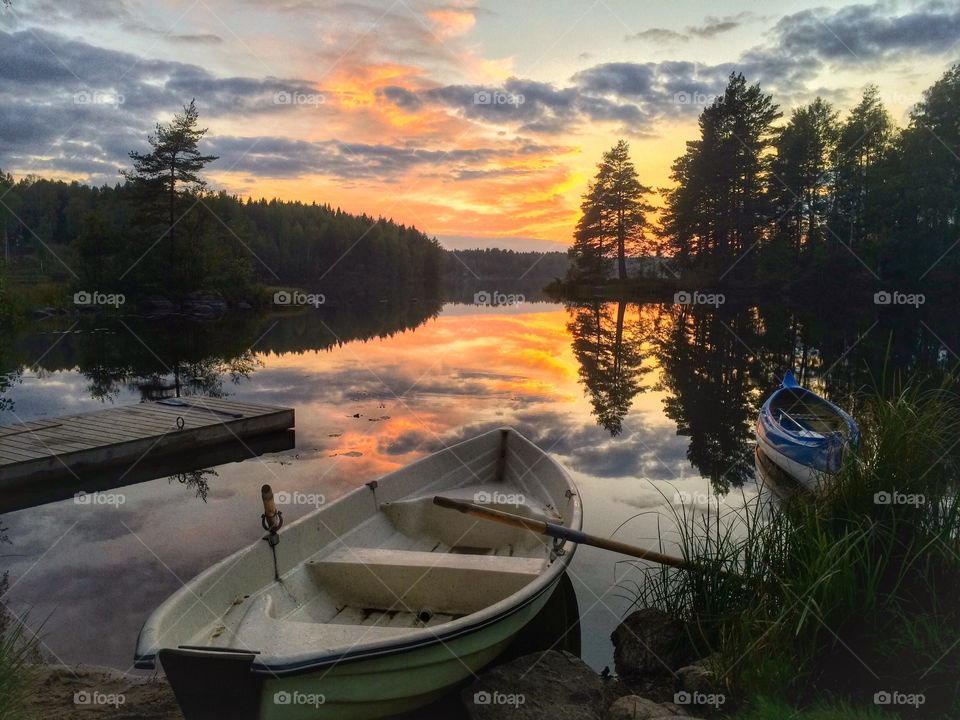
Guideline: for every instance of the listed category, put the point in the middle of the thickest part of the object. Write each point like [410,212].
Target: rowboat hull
[402,682]
[811,448]
[804,474]
[250,652]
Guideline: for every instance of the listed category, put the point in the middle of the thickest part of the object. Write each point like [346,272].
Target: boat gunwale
[767,419]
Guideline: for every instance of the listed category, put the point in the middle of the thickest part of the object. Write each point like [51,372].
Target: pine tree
[801,177]
[719,208]
[613,219]
[168,174]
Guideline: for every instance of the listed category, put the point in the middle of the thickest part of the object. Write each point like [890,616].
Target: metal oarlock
[272,519]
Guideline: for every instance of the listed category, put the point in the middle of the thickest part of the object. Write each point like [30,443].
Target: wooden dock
[123,437]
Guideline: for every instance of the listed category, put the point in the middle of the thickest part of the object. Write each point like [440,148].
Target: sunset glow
[482,118]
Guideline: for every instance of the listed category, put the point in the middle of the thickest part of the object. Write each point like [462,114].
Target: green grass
[766,709]
[19,654]
[837,594]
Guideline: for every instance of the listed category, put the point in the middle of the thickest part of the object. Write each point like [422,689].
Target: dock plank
[52,448]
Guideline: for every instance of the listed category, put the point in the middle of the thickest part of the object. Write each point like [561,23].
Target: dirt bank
[83,692]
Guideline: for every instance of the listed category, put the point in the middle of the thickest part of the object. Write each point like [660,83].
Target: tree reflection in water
[718,364]
[197,480]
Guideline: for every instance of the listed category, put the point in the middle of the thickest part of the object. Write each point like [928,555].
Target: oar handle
[558,531]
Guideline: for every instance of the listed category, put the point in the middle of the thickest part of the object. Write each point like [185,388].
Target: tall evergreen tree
[169,175]
[801,177]
[719,208]
[923,197]
[613,220]
[863,145]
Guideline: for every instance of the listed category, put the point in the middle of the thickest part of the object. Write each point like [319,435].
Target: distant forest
[95,232]
[817,201]
[467,272]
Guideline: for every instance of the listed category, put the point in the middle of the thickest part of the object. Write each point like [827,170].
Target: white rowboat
[384,600]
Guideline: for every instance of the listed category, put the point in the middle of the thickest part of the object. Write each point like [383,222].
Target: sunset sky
[479,122]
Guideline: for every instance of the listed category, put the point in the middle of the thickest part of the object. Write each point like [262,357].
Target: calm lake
[646,405]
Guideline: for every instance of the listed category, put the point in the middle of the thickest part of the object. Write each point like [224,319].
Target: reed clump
[852,593]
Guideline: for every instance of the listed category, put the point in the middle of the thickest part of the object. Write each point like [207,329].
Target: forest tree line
[161,231]
[759,200]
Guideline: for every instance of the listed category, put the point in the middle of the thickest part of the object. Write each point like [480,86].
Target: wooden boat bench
[417,581]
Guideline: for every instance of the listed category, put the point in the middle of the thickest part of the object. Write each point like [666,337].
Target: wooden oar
[559,531]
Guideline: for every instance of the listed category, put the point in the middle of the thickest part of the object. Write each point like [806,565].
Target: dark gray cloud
[528,106]
[51,13]
[66,105]
[865,32]
[283,157]
[712,27]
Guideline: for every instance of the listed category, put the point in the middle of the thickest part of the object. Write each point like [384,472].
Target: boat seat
[412,581]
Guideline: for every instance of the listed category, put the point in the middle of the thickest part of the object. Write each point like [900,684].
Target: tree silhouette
[168,177]
[613,217]
[719,206]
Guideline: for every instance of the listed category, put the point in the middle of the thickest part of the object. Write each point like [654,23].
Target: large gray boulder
[554,685]
[634,707]
[647,642]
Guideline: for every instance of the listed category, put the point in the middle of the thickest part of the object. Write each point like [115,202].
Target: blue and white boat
[804,434]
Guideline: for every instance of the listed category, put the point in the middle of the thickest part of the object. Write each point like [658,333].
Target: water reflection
[717,364]
[629,397]
[610,350]
[197,480]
